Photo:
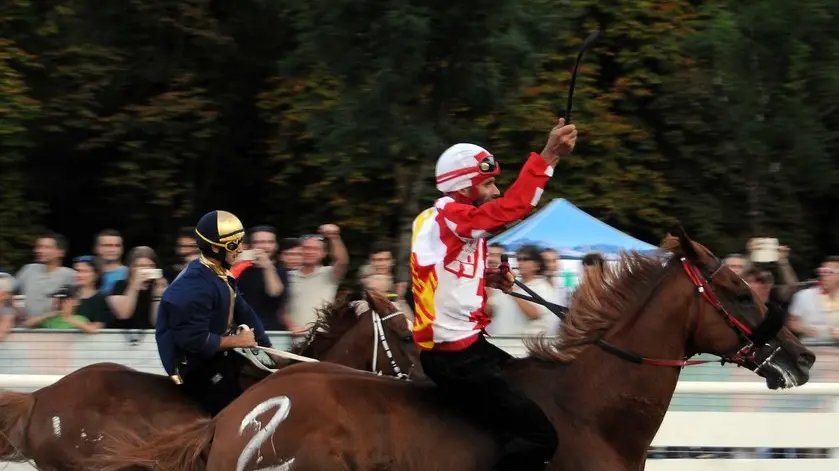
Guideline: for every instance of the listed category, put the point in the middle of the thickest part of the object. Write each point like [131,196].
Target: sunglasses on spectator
[84,259]
[827,271]
[312,237]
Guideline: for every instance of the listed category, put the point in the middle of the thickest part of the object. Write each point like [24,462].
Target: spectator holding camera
[65,316]
[134,300]
[262,280]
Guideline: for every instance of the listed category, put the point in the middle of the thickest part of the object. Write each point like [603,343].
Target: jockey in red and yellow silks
[449,280]
[448,247]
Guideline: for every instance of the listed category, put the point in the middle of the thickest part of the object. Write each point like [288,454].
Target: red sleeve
[472,222]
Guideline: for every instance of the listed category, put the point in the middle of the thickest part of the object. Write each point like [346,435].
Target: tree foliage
[752,126]
[142,115]
[19,216]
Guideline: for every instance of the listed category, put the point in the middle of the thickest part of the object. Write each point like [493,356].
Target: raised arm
[472,222]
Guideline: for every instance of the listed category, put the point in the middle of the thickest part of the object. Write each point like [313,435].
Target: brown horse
[61,424]
[605,383]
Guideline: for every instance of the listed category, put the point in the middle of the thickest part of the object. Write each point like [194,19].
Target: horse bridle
[379,331]
[379,337]
[752,340]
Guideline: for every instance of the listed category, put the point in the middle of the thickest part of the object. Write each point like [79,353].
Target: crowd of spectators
[286,280]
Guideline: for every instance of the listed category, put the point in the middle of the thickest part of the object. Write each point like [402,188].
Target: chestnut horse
[605,383]
[61,424]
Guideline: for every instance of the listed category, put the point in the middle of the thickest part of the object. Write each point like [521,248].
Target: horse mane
[334,320]
[601,299]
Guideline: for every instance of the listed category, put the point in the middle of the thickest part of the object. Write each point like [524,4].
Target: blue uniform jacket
[192,317]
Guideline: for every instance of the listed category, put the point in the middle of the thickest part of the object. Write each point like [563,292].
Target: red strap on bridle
[705,291]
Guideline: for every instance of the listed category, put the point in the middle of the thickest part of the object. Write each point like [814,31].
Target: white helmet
[464,166]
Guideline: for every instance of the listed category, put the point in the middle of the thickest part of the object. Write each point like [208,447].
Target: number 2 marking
[283,405]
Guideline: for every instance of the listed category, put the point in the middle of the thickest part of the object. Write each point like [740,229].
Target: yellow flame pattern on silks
[423,287]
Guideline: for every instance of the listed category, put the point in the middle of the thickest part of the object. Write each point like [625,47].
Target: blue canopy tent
[570,231]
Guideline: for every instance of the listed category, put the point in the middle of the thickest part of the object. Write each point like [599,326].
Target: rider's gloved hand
[501,278]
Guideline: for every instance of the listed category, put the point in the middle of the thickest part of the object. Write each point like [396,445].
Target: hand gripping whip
[589,40]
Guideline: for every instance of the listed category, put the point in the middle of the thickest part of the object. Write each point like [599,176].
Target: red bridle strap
[705,291]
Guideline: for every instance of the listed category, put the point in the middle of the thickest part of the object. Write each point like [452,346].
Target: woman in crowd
[134,300]
[92,304]
[533,318]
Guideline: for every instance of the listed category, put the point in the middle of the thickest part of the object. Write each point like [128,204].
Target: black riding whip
[588,41]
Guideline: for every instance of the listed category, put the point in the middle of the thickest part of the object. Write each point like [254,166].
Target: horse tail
[181,448]
[15,410]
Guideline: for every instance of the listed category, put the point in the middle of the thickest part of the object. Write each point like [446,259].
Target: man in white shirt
[814,312]
[314,284]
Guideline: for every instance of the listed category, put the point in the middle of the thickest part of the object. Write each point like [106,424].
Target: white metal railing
[739,430]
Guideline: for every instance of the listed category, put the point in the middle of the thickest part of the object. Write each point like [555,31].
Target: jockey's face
[487,191]
[230,257]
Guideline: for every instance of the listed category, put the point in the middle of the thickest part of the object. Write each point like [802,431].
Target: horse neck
[354,348]
[322,344]
[601,391]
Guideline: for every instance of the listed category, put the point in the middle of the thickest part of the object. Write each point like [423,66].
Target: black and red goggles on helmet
[486,167]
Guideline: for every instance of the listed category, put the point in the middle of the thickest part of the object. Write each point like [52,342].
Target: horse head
[729,320]
[389,330]
[366,331]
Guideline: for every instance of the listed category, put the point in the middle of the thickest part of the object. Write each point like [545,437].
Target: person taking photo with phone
[134,301]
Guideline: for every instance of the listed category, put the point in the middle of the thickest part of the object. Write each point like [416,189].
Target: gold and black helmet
[220,228]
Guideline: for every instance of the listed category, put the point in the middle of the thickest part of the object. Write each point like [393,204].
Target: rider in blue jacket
[200,306]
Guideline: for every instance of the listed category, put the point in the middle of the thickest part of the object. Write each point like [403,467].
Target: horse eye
[408,338]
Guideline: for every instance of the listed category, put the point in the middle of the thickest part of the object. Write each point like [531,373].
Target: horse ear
[688,249]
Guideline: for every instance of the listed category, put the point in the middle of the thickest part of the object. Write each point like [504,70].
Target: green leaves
[19,215]
[748,123]
[142,115]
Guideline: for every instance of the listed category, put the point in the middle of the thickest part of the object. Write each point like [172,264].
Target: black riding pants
[213,383]
[473,377]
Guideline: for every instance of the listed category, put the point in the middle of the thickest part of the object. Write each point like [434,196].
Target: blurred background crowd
[287,279]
